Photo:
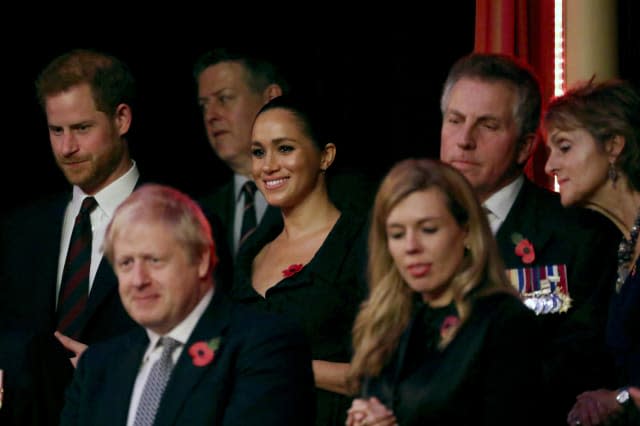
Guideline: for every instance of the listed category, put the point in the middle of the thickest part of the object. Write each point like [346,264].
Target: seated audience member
[593,134]
[561,260]
[311,266]
[196,359]
[443,337]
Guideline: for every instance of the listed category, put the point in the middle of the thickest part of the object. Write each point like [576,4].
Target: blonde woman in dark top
[443,338]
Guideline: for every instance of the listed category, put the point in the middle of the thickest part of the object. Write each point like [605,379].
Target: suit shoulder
[217,196]
[550,199]
[39,207]
[111,348]
[136,334]
[571,217]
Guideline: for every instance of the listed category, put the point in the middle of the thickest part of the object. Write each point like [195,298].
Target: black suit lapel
[526,218]
[50,243]
[125,372]
[185,375]
[229,209]
[104,284]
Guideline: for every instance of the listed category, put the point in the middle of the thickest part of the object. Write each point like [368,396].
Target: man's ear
[272,91]
[207,262]
[526,148]
[122,118]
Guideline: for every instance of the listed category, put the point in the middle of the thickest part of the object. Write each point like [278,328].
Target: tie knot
[249,188]
[168,345]
[88,204]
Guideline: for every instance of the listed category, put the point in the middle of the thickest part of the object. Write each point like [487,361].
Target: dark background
[384,91]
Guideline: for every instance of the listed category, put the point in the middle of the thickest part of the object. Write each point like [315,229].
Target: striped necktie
[249,220]
[74,288]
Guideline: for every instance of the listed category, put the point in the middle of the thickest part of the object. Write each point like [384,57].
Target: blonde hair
[384,316]
[158,203]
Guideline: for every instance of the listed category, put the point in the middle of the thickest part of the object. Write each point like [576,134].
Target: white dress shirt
[108,199]
[180,333]
[499,204]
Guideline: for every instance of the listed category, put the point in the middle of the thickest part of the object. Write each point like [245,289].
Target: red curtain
[523,28]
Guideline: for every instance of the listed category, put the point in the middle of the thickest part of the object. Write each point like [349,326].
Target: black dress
[323,297]
[490,374]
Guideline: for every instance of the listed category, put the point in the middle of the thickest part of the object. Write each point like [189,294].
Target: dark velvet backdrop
[385,88]
[385,94]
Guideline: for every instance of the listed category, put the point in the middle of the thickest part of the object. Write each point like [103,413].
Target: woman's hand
[635,395]
[594,408]
[370,412]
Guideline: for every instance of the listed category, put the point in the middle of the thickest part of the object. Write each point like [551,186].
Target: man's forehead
[481,97]
[228,74]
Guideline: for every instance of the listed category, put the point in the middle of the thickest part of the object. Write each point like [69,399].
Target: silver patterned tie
[156,382]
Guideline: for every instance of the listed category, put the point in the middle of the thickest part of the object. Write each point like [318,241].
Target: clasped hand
[370,412]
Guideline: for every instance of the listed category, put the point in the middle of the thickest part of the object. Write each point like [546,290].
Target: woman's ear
[614,147]
[328,155]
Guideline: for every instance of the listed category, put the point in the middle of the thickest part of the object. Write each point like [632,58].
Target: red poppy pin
[524,248]
[448,322]
[202,353]
[292,270]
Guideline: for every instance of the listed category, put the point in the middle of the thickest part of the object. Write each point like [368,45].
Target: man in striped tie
[233,84]
[53,274]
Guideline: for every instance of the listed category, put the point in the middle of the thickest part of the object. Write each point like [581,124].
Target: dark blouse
[323,297]
[623,329]
[490,374]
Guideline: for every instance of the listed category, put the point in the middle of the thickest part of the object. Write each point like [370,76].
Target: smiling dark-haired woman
[310,267]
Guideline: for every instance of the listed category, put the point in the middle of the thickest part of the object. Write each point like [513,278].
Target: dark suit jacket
[222,204]
[490,373]
[30,244]
[576,356]
[260,375]
[28,267]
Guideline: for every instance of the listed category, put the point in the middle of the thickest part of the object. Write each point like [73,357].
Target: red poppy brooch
[202,353]
[448,322]
[292,270]
[524,248]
